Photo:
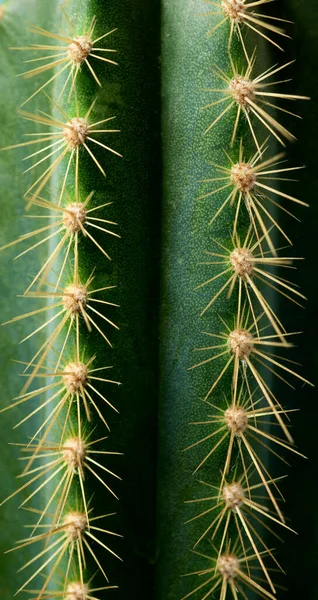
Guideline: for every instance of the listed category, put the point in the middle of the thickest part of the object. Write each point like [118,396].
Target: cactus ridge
[245,499]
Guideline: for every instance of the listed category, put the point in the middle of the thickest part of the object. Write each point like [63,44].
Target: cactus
[93,246]
[82,389]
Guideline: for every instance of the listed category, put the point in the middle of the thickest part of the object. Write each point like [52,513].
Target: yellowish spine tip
[2,9]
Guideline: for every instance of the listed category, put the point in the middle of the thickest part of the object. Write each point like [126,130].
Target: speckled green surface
[14,277]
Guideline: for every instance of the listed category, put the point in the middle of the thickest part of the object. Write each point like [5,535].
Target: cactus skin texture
[222,423]
[131,182]
[184,420]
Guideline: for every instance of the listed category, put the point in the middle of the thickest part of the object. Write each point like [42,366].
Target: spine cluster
[240,507]
[64,390]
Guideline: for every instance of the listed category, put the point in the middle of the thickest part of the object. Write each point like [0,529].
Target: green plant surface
[189,72]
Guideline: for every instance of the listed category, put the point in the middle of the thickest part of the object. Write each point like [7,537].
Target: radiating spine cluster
[249,423]
[61,382]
